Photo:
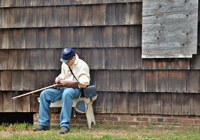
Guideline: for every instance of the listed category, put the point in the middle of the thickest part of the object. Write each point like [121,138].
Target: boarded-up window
[169,28]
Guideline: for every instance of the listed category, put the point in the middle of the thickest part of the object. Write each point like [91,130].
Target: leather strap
[72,73]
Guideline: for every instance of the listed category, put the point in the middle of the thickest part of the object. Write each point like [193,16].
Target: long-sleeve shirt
[80,70]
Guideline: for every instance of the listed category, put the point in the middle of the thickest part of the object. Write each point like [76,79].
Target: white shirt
[80,70]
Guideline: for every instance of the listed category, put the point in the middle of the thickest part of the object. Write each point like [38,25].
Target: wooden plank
[193,82]
[120,36]
[128,58]
[166,63]
[34,105]
[157,64]
[15,17]
[60,16]
[166,103]
[143,103]
[20,3]
[82,37]
[96,37]
[114,58]
[1,101]
[18,38]
[137,58]
[30,17]
[17,80]
[110,14]
[6,80]
[147,64]
[30,38]
[20,59]
[53,38]
[64,37]
[5,18]
[135,13]
[163,84]
[45,78]
[126,80]
[167,32]
[135,36]
[105,37]
[138,81]
[29,80]
[102,80]
[120,13]
[22,104]
[41,38]
[85,15]
[4,59]
[1,34]
[8,102]
[89,37]
[186,104]
[177,101]
[57,57]
[109,102]
[73,16]
[47,16]
[26,56]
[154,103]
[37,60]
[195,104]
[132,102]
[120,103]
[5,39]
[99,103]
[49,59]
[99,15]
[13,59]
[93,74]
[177,81]
[195,64]
[74,37]
[151,81]
[33,3]
[98,58]
[116,84]
[40,16]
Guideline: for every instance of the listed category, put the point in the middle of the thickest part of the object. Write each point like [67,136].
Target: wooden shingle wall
[107,35]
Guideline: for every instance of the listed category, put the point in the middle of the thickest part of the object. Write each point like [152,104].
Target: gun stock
[38,90]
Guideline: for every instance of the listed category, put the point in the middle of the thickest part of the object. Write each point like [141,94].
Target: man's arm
[68,83]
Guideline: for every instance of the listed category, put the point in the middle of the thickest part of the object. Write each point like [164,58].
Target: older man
[72,90]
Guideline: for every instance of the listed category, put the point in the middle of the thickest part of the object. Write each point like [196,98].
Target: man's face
[70,62]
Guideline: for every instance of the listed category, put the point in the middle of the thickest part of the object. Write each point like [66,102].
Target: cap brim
[62,60]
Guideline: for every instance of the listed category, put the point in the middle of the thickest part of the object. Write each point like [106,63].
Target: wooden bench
[89,113]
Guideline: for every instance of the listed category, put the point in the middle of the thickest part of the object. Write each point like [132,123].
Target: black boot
[41,127]
[64,130]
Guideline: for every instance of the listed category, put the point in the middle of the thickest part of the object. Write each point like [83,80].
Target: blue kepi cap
[67,53]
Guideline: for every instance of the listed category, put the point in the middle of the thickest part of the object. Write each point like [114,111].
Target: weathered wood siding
[108,36]
[169,28]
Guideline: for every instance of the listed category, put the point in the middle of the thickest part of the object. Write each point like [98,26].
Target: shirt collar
[76,61]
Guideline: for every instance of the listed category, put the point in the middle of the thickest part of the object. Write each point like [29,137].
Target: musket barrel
[35,91]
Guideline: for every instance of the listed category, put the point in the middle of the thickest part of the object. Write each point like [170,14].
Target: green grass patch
[24,131]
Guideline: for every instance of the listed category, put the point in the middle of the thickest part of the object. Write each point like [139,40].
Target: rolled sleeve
[84,79]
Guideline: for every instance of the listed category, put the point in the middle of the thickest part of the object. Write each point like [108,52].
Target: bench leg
[90,115]
[49,116]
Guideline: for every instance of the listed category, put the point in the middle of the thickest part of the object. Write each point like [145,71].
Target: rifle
[38,90]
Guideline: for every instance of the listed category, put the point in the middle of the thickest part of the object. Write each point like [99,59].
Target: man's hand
[65,82]
[57,80]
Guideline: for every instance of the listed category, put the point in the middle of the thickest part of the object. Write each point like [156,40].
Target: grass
[101,132]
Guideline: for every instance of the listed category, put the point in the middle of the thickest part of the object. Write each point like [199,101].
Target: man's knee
[43,94]
[67,95]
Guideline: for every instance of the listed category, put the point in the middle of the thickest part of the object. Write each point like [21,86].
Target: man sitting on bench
[67,94]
